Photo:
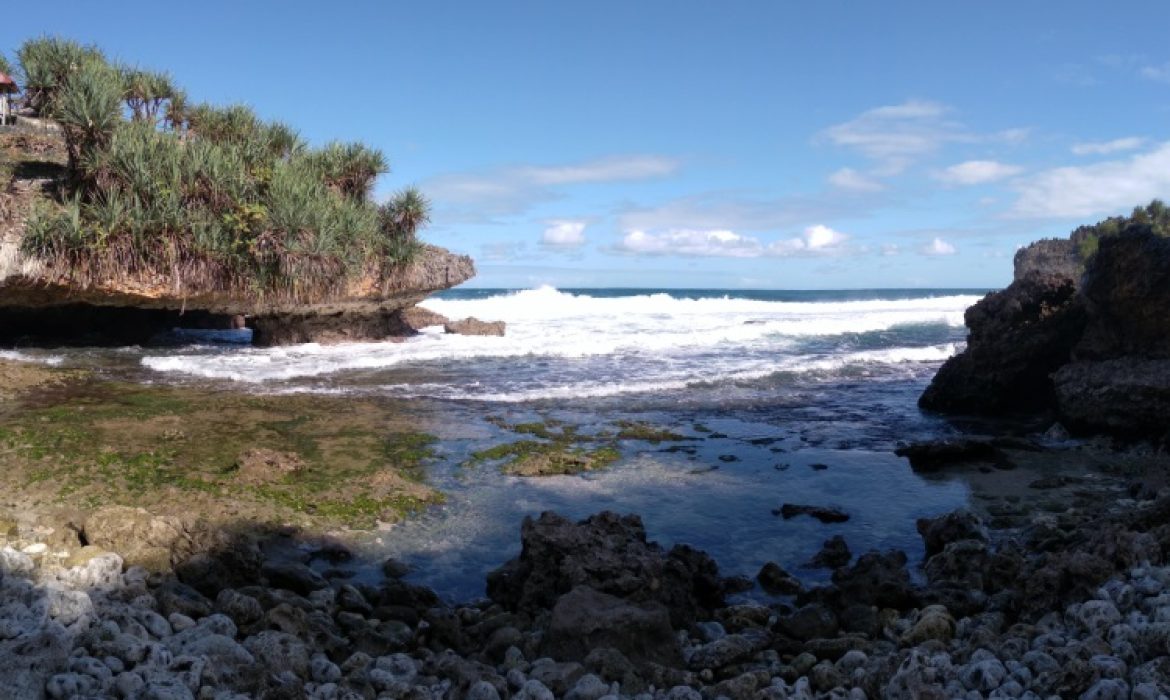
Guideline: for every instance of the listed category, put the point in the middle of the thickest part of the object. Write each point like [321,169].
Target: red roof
[7,84]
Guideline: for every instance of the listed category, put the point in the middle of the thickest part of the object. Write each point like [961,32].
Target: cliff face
[1090,347]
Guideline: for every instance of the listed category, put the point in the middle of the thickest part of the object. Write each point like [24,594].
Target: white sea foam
[16,356]
[599,346]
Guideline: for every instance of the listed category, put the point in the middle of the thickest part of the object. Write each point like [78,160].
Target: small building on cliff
[8,87]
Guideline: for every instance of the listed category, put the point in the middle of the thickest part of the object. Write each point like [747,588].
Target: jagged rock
[938,532]
[1125,396]
[834,554]
[474,326]
[418,318]
[935,455]
[1018,337]
[777,581]
[584,619]
[610,554]
[877,579]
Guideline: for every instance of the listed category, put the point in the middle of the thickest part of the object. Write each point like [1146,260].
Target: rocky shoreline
[1071,604]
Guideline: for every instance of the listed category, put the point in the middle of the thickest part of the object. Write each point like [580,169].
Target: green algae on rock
[334,463]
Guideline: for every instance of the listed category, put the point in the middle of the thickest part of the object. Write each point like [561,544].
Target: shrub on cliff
[205,197]
[1088,238]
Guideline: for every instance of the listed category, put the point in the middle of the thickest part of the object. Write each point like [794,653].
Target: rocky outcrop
[474,326]
[1092,350]
[1018,337]
[609,554]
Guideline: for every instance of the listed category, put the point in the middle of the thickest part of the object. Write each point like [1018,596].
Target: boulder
[474,326]
[584,619]
[935,455]
[879,579]
[777,581]
[834,554]
[609,554]
[938,532]
[419,318]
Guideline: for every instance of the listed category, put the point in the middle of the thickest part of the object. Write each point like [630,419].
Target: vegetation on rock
[1155,214]
[206,197]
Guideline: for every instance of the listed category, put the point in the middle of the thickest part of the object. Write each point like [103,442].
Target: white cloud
[977,172]
[1159,73]
[889,249]
[690,242]
[564,235]
[1101,188]
[850,179]
[513,190]
[723,243]
[615,169]
[1101,148]
[939,247]
[894,136]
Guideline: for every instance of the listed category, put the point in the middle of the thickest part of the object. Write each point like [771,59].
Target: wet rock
[834,554]
[824,514]
[777,581]
[611,555]
[951,527]
[879,579]
[293,576]
[585,619]
[1018,337]
[927,457]
[474,326]
[809,622]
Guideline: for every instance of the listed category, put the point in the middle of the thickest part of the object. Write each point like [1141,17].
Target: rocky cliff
[1087,343]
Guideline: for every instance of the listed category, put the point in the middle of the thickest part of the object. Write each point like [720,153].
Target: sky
[763,145]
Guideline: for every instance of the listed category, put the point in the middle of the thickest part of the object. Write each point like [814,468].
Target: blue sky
[687,144]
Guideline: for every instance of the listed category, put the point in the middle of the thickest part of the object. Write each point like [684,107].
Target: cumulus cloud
[939,247]
[691,243]
[1101,148]
[977,172]
[513,190]
[1160,73]
[850,179]
[723,243]
[564,235]
[1100,188]
[894,136]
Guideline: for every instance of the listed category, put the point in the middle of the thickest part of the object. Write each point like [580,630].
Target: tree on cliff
[206,197]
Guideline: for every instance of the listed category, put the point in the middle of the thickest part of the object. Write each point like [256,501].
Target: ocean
[782,396]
